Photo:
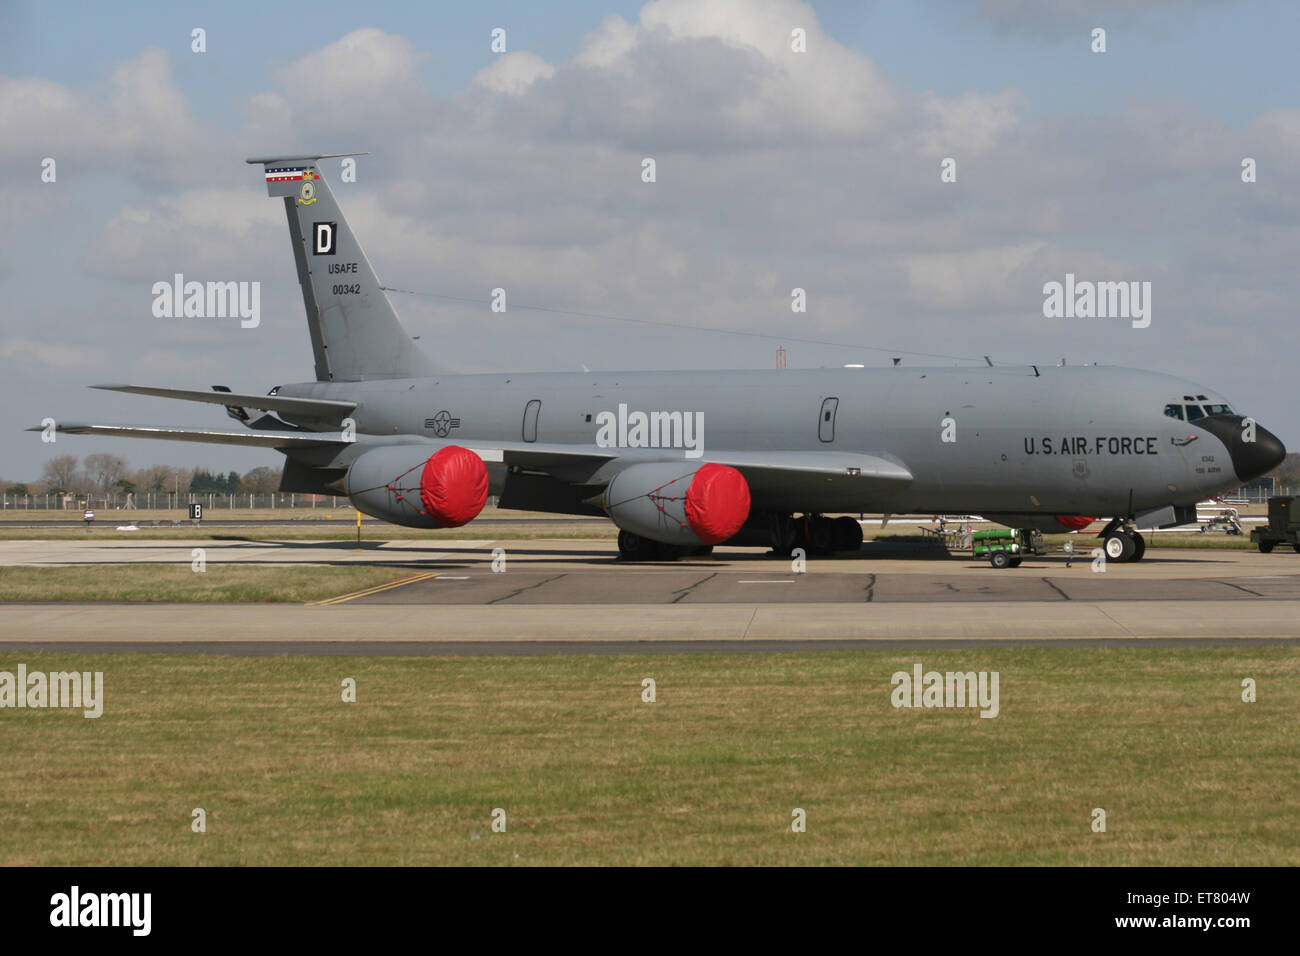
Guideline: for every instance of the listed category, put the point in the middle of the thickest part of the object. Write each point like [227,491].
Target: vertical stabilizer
[355,334]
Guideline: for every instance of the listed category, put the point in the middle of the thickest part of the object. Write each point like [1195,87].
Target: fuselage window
[1174,411]
[1194,412]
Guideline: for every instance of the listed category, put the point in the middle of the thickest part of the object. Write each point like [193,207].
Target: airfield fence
[212,501]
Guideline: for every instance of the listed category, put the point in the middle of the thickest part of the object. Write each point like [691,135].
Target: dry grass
[708,774]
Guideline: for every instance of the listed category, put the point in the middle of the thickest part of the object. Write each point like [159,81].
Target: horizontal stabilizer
[314,407]
[262,439]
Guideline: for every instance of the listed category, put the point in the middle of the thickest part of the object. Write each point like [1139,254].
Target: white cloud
[211,229]
[680,45]
[144,125]
[969,124]
[514,72]
[366,65]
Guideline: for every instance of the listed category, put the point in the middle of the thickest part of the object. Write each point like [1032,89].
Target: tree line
[103,474]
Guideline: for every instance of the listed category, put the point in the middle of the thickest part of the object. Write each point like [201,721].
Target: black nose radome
[1250,459]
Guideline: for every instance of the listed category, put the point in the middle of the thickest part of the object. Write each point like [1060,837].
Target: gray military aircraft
[688,459]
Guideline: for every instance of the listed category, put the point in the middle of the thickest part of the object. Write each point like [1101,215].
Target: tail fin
[355,334]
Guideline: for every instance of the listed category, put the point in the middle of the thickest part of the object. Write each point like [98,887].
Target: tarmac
[576,596]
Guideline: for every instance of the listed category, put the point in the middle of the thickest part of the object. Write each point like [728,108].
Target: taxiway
[576,596]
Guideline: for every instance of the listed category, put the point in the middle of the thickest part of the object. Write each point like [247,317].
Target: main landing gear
[1122,543]
[814,533]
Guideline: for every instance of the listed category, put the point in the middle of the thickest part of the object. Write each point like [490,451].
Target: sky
[774,170]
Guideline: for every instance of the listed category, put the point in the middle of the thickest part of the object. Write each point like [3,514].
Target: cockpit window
[1218,410]
[1174,411]
[1194,412]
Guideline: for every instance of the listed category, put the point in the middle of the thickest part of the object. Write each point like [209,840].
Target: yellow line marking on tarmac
[365,592]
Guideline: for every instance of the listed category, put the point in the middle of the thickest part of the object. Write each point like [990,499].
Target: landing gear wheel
[1266,547]
[1139,547]
[848,534]
[633,547]
[1118,547]
[1297,548]
[821,536]
[1000,560]
[783,532]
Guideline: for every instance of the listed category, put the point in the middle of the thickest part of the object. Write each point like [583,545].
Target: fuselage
[1068,440]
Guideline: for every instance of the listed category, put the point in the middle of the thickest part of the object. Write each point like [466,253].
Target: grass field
[179,582]
[708,774]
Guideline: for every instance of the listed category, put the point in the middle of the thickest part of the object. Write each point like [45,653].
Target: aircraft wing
[321,407]
[835,481]
[825,475]
[254,439]
[761,467]
[821,464]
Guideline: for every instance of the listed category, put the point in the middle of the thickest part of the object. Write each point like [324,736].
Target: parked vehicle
[1283,525]
[1006,547]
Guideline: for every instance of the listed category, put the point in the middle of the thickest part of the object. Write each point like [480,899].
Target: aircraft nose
[1250,459]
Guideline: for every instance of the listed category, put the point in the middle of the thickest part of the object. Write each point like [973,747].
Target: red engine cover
[1074,522]
[717,502]
[453,486]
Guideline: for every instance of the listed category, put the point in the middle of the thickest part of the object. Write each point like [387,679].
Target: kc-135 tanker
[684,460]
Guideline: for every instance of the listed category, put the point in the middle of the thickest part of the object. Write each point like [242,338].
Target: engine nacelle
[407,485]
[678,502]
